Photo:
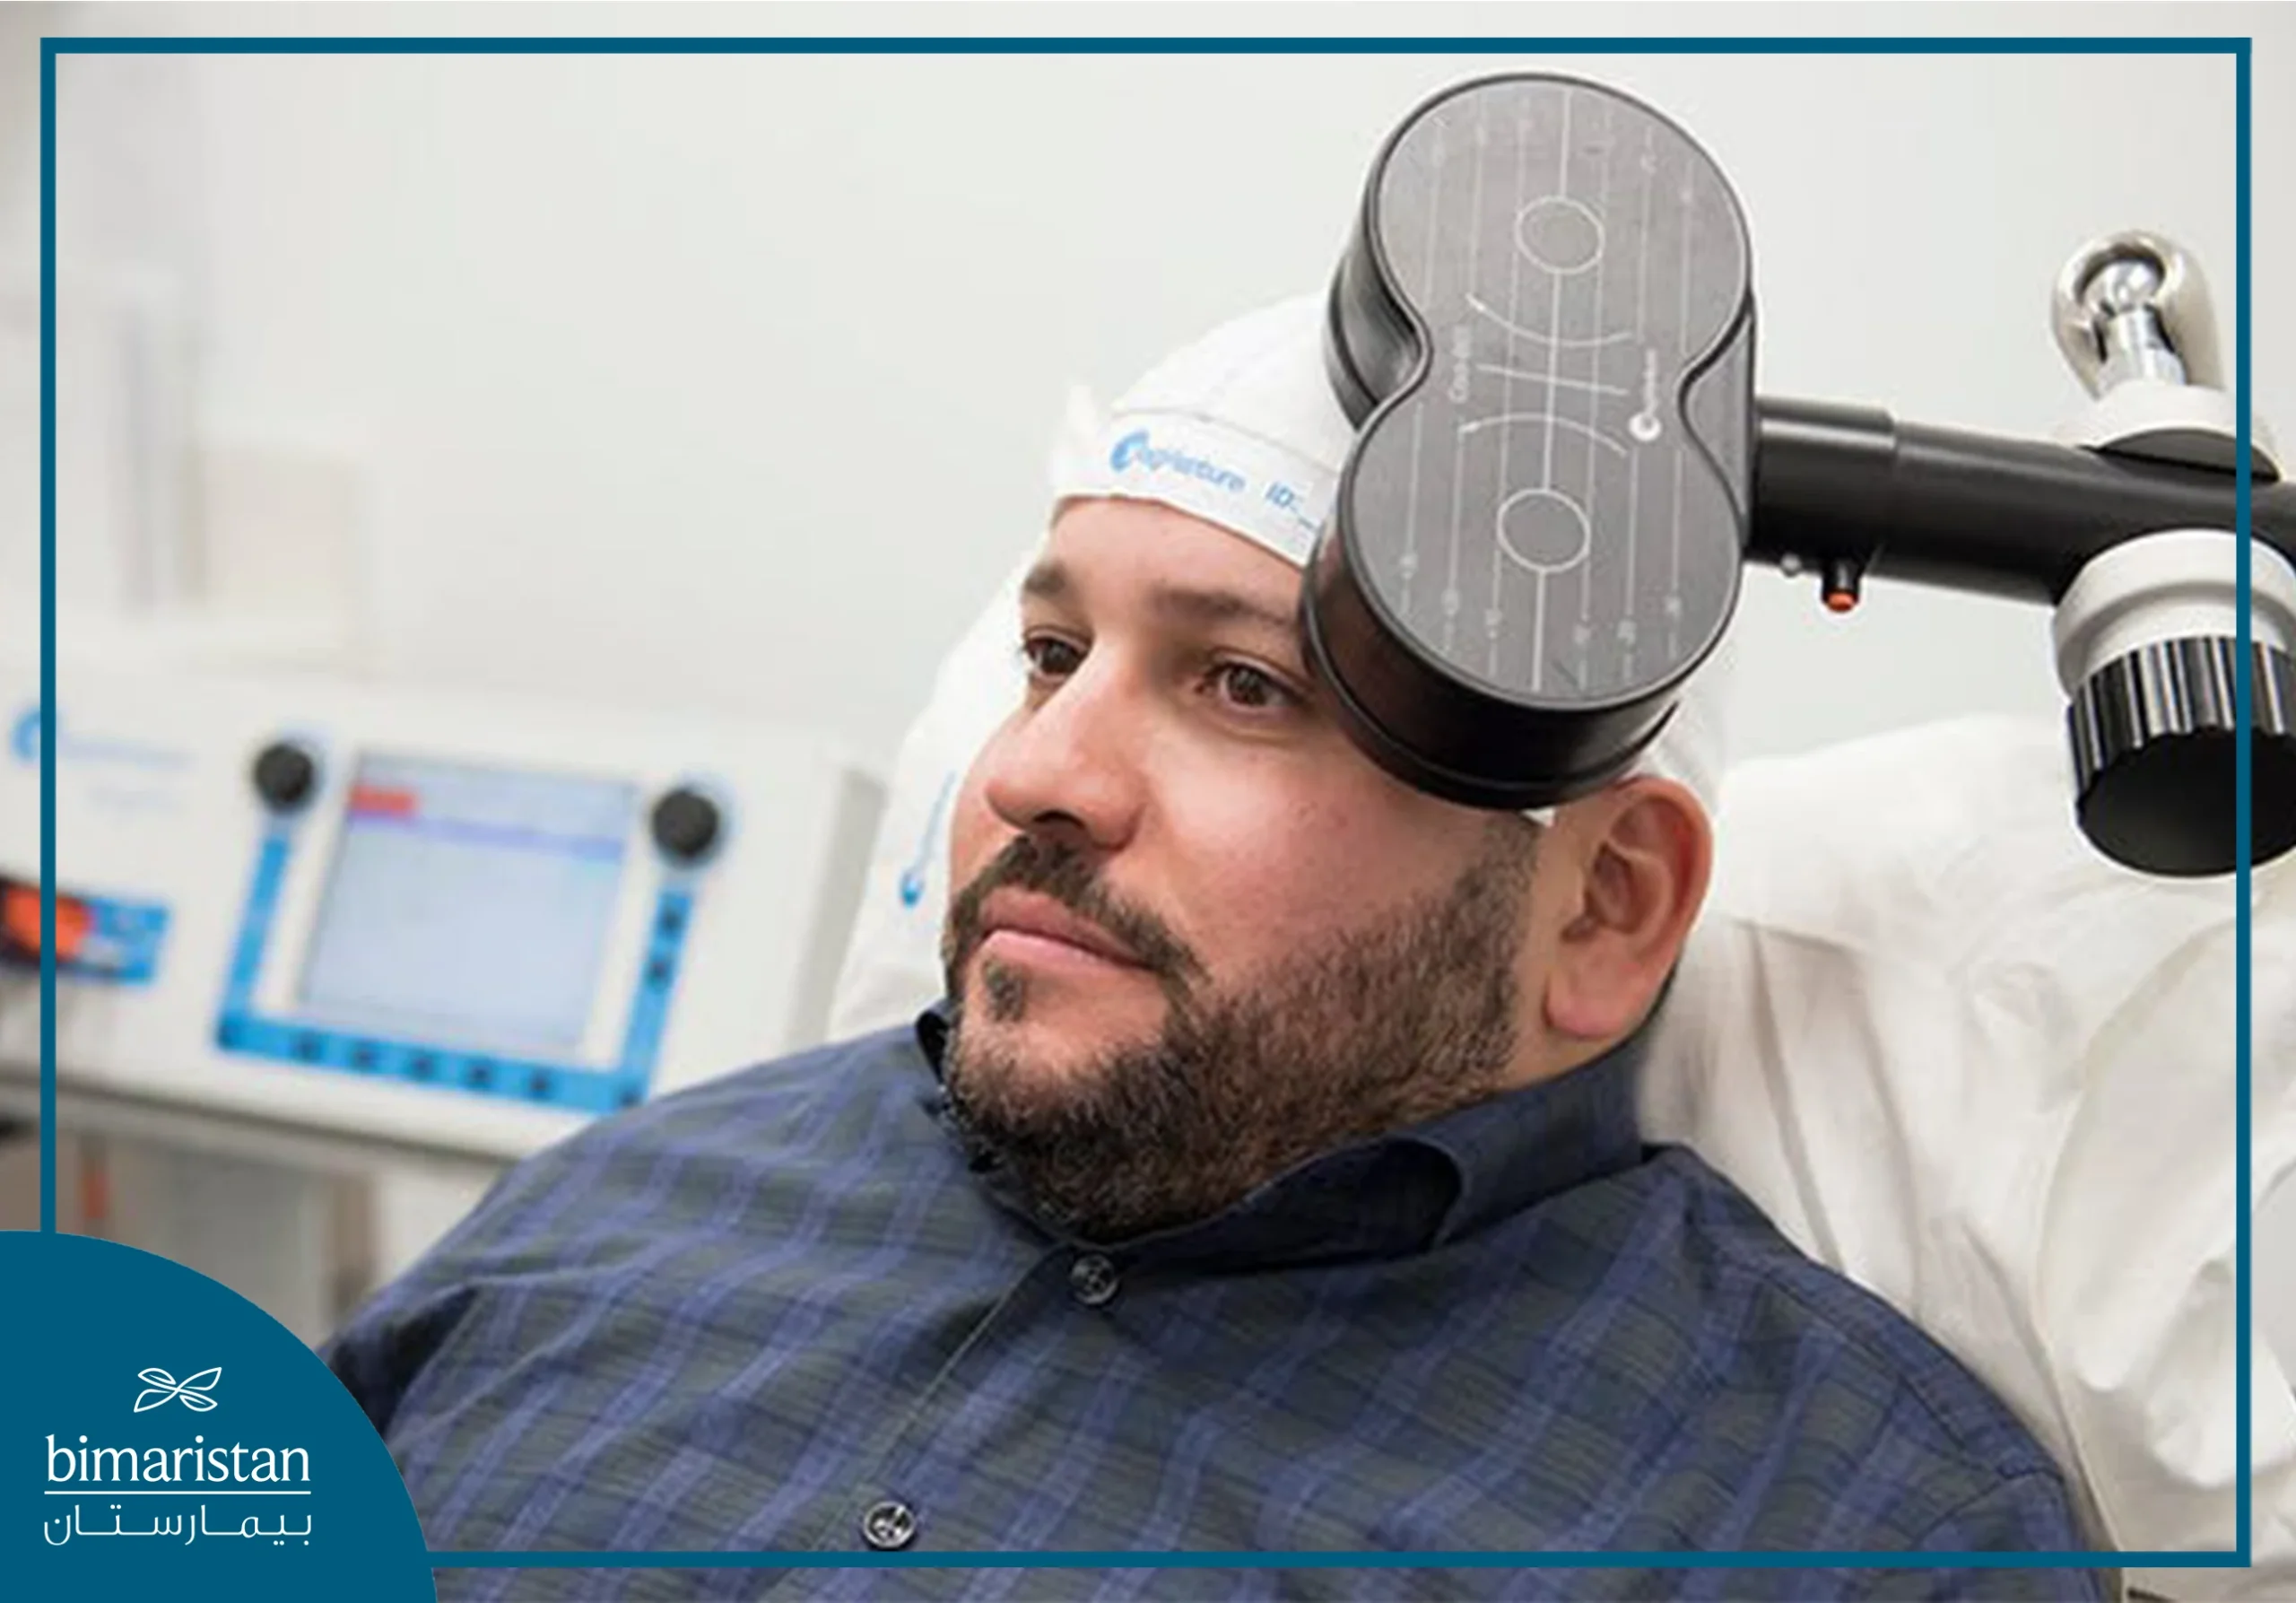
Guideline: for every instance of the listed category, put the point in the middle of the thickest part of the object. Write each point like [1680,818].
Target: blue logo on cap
[1136,449]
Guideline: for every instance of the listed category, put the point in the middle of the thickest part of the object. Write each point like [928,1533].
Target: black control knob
[285,775]
[2154,755]
[686,825]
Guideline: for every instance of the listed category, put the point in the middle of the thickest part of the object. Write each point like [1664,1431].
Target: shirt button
[889,1525]
[1092,1278]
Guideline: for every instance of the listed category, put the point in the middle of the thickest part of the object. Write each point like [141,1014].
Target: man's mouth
[1026,925]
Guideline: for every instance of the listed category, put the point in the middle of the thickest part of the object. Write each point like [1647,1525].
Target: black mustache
[1062,873]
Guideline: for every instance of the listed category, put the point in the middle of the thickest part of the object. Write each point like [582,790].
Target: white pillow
[1949,1049]
[1955,1053]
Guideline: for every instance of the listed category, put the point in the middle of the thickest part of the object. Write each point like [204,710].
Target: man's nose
[1072,767]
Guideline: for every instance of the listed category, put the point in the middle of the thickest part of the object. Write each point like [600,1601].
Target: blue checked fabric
[782,1311]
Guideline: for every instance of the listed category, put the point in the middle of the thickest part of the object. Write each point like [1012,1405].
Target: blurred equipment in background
[309,929]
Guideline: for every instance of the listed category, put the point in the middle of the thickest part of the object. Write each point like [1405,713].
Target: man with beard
[1267,1181]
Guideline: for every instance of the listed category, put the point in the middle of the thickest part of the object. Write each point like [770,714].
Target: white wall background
[726,381]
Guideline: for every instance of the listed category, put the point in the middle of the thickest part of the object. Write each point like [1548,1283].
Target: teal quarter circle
[160,1436]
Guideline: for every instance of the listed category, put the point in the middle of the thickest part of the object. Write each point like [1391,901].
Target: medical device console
[417,919]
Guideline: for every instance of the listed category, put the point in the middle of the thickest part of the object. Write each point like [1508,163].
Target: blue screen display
[469,906]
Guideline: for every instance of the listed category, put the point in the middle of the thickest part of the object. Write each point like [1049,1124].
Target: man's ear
[1640,862]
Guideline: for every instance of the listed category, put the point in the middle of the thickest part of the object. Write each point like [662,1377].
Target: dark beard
[1370,1032]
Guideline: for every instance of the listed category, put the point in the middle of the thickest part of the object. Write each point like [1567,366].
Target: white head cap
[1242,429]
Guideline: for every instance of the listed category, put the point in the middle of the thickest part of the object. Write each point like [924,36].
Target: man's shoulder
[781,1126]
[836,1075]
[1853,1382]
[1636,1363]
[613,1236]
[819,1090]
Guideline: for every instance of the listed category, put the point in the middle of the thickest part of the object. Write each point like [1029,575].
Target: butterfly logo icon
[160,1389]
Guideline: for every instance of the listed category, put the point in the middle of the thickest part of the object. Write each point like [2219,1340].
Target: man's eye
[1049,658]
[1243,685]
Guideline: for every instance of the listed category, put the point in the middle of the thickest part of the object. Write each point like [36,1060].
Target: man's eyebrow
[1050,581]
[1201,606]
[1047,581]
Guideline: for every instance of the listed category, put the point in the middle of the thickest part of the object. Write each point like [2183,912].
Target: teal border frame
[2238,48]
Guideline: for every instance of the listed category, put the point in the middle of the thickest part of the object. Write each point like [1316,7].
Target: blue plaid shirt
[781,1310]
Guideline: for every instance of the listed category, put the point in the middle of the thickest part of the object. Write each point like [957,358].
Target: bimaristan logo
[108,1475]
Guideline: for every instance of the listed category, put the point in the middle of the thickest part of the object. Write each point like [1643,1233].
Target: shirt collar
[1414,1188]
[1519,1148]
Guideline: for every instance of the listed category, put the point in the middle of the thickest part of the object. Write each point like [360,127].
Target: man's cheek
[1268,917]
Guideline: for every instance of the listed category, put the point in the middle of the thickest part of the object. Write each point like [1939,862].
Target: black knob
[2154,756]
[285,774]
[685,825]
